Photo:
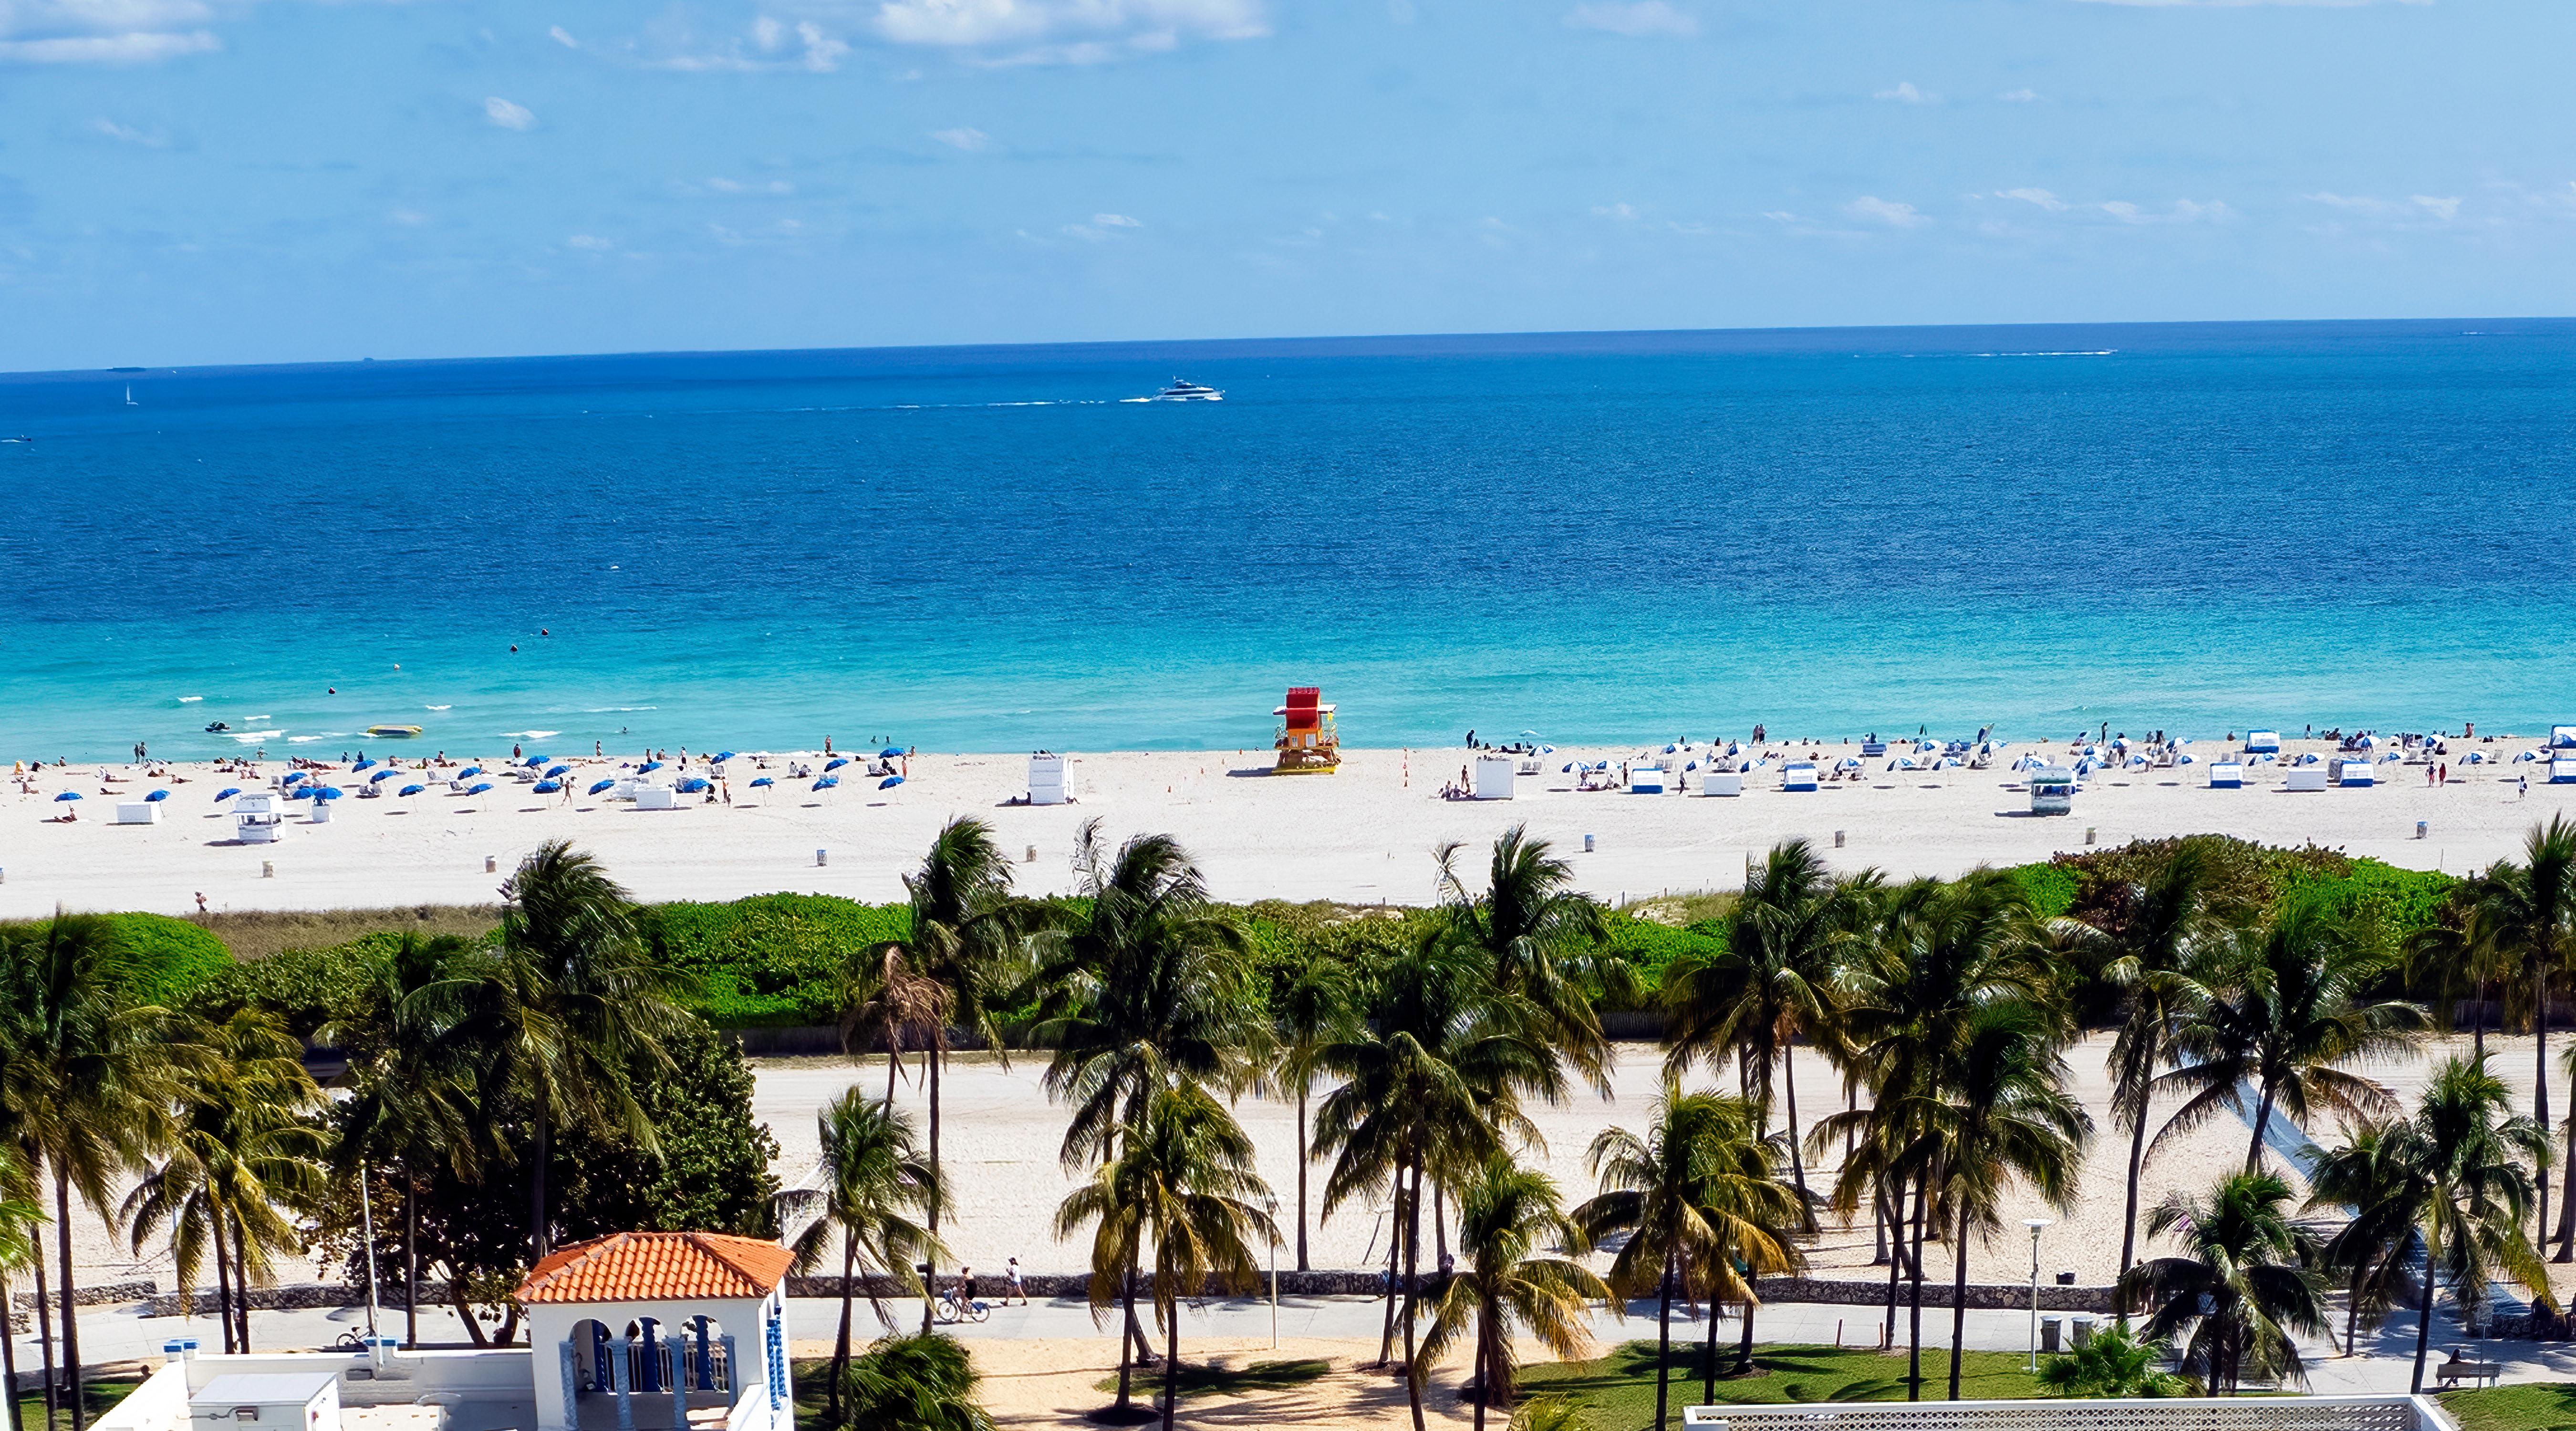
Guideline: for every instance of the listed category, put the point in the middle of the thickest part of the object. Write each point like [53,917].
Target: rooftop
[657,1267]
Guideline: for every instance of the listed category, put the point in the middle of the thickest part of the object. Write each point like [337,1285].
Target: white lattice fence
[2266,1413]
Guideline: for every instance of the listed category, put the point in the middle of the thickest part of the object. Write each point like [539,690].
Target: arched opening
[591,1370]
[703,1362]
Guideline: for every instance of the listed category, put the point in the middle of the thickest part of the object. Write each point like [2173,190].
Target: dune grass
[259,933]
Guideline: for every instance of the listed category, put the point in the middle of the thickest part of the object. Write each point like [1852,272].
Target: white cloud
[131,48]
[1636,18]
[2443,209]
[2242,4]
[103,32]
[1894,215]
[2018,96]
[2184,211]
[1066,31]
[591,242]
[408,218]
[563,37]
[722,185]
[963,137]
[1613,211]
[2415,208]
[770,44]
[1906,93]
[128,134]
[1117,221]
[509,116]
[2041,197]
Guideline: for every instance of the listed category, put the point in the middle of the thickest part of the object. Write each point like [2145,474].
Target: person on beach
[1013,1287]
[2524,786]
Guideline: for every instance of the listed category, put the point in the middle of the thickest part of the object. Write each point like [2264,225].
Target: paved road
[116,1334]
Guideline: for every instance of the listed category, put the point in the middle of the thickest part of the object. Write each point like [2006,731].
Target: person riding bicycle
[966,1287]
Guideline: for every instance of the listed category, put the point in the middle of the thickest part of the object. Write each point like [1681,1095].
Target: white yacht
[1183,390]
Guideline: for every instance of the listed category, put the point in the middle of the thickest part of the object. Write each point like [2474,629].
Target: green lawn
[98,1396]
[1616,1392]
[2538,1406]
[1232,1381]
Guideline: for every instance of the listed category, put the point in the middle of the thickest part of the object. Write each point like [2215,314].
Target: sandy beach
[1362,834]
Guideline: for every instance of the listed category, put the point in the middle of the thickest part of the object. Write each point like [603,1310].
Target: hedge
[172,957]
[771,959]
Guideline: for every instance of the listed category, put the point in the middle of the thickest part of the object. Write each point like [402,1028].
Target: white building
[636,1331]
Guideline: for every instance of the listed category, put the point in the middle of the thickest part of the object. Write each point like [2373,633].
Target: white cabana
[2352,774]
[1798,775]
[2306,777]
[1646,779]
[2562,772]
[2226,775]
[2262,742]
[1494,777]
[1046,778]
[1721,782]
[256,820]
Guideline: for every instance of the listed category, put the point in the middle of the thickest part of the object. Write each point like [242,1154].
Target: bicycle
[952,1309]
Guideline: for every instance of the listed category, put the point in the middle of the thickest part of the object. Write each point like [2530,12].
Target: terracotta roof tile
[658,1267]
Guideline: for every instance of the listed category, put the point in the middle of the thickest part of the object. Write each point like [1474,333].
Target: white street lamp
[2034,1224]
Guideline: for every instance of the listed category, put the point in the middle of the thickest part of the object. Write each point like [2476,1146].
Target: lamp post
[2034,1224]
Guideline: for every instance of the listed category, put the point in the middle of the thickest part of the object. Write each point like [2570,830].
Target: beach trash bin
[2084,1324]
[268,869]
[1838,839]
[2052,1334]
[2088,834]
[2422,828]
[491,864]
[822,858]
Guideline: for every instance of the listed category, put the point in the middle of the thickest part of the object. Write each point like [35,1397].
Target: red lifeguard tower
[1307,740]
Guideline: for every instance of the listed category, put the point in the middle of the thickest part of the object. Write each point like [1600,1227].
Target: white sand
[1362,834]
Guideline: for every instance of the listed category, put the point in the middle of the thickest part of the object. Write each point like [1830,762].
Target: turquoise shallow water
[1598,537]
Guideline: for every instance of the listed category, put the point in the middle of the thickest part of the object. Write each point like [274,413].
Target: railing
[2264,1413]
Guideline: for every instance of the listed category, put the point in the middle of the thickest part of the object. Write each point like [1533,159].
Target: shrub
[771,959]
[173,958]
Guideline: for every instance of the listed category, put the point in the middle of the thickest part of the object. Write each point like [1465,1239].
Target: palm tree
[412,1105]
[1696,1196]
[20,1212]
[1315,1011]
[1182,1188]
[1543,939]
[2290,1006]
[568,1006]
[2164,926]
[2454,1174]
[920,1383]
[1146,988]
[1507,1219]
[874,1179]
[2242,1291]
[2113,1363]
[1433,1084]
[968,940]
[2524,912]
[244,1144]
[1773,983]
[2364,1179]
[883,998]
[91,1077]
[2003,1116]
[1942,954]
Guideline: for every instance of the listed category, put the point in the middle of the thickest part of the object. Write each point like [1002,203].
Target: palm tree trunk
[2478,1029]
[2540,1079]
[223,1278]
[1914,1329]
[2129,1218]
[1663,1339]
[1412,1274]
[894,1064]
[1892,1224]
[1126,1349]
[1439,1225]
[411,1258]
[241,1280]
[537,1190]
[71,1324]
[1394,1260]
[1301,1176]
[841,1344]
[2423,1328]
[1959,1300]
[2262,1119]
[1484,1368]
[1708,1355]
[2352,1312]
[9,1356]
[44,1321]
[1743,1348]
[1171,1357]
[1797,1159]
[2567,1200]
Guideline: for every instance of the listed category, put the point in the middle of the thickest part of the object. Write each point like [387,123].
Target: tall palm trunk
[1126,1349]
[1484,1363]
[44,1322]
[2129,1216]
[1708,1356]
[71,1323]
[2352,1313]
[223,1277]
[841,1344]
[2423,1328]
[1171,1357]
[241,1281]
[2540,1079]
[1302,1160]
[1797,1159]
[1663,1338]
[9,1356]
[1743,1348]
[2262,1120]
[1914,1317]
[537,1190]
[1394,1261]
[411,1258]
[1412,1274]
[1959,1300]
[1891,1221]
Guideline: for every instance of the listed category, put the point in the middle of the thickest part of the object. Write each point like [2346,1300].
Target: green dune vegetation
[556,1066]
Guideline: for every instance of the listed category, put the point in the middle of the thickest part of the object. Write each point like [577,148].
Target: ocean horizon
[1596,537]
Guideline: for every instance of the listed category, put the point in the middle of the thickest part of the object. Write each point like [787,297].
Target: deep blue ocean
[1600,537]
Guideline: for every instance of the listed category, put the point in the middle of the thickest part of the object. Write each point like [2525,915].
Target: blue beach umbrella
[762,781]
[890,782]
[478,787]
[469,772]
[834,764]
[227,793]
[300,792]
[690,786]
[559,772]
[382,775]
[545,787]
[533,761]
[67,795]
[603,785]
[292,776]
[891,752]
[648,767]
[329,792]
[409,790]
[723,755]
[362,765]
[157,795]
[827,782]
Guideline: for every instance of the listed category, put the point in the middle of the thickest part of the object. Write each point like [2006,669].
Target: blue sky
[194,181]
